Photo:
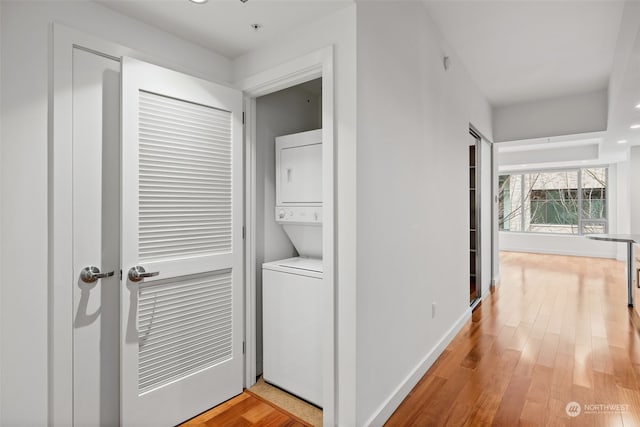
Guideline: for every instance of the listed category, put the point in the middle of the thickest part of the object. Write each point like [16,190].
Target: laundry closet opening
[288,249]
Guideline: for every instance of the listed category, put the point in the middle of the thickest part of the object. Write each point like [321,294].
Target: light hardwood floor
[244,410]
[557,330]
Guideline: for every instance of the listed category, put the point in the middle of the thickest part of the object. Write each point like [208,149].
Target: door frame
[317,64]
[494,272]
[60,197]
[60,209]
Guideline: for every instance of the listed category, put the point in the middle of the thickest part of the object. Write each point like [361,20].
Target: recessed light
[198,1]
[636,126]
[622,141]
[638,106]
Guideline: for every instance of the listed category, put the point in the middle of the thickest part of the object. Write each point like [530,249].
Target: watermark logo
[605,408]
[573,409]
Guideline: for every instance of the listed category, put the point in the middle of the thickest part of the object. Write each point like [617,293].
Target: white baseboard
[495,281]
[382,414]
[582,253]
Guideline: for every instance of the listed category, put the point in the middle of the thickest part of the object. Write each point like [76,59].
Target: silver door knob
[92,274]
[138,273]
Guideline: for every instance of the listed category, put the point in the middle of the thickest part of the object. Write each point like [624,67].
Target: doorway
[475,255]
[314,72]
[481,217]
[294,112]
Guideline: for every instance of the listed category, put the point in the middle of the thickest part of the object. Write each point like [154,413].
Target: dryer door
[299,169]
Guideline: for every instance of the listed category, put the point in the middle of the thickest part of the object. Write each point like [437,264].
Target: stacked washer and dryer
[292,288]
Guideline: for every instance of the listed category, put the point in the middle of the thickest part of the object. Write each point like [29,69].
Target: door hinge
[243,347]
[243,117]
[120,274]
[243,232]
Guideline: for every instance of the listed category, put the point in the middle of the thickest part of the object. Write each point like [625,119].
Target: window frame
[581,220]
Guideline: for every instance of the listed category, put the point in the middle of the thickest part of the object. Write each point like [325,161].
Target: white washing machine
[292,289]
[292,326]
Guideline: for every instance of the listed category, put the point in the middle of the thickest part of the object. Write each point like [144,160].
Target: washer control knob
[281,213]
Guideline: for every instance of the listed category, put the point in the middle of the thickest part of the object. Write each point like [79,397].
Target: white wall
[24,50]
[551,117]
[337,30]
[281,113]
[1,220]
[621,210]
[556,245]
[634,190]
[534,156]
[624,57]
[412,199]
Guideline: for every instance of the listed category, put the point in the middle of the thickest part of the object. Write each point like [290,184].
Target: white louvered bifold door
[181,349]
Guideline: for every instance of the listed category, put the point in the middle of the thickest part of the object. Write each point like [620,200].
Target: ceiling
[224,26]
[519,51]
[516,51]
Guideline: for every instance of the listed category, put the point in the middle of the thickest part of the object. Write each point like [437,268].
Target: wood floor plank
[549,349]
[533,413]
[513,400]
[622,369]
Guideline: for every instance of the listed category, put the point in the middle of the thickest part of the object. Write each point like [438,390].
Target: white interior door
[96,238]
[181,345]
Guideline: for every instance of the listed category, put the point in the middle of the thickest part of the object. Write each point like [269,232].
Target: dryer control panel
[299,214]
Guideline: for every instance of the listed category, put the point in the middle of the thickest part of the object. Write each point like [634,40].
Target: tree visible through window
[570,202]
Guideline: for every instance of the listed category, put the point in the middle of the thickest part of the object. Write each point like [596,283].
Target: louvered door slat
[162,119]
[177,345]
[147,135]
[174,333]
[182,369]
[181,153]
[201,133]
[173,166]
[200,313]
[183,299]
[185,321]
[209,325]
[181,356]
[159,363]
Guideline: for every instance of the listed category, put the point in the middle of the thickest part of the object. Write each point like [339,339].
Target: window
[568,202]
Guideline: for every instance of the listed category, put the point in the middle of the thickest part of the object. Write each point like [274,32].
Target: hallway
[557,330]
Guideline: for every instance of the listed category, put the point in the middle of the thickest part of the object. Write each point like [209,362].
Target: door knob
[92,274]
[138,273]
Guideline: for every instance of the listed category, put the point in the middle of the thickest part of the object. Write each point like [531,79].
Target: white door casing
[299,70]
[181,331]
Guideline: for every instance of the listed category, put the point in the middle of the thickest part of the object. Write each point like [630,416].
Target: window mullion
[522,200]
[579,201]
